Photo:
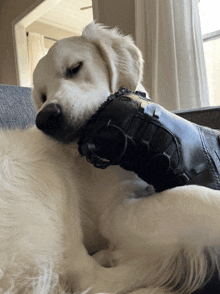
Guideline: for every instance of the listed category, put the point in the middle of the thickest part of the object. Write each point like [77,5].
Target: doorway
[50,20]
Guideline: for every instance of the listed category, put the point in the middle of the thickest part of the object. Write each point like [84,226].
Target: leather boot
[162,148]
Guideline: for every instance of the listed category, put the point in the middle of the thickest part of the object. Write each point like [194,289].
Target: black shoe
[162,148]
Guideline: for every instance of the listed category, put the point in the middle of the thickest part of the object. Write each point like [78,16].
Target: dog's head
[78,74]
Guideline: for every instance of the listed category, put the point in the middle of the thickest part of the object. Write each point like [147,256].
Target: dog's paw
[144,193]
[104,258]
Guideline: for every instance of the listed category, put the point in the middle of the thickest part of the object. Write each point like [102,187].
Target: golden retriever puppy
[68,227]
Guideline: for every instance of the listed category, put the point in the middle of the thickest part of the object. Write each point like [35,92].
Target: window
[210,26]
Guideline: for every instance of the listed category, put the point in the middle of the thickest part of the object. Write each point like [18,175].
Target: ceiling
[69,15]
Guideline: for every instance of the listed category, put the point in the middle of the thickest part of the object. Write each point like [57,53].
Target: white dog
[57,210]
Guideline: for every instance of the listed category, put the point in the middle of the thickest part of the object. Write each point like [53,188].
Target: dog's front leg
[122,278]
[156,242]
[88,275]
[165,238]
[82,271]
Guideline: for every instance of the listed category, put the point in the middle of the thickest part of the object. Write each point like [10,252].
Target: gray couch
[16,107]
[17,110]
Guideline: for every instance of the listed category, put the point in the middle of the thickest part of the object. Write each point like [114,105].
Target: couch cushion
[16,107]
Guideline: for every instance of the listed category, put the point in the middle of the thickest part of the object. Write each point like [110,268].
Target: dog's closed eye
[72,71]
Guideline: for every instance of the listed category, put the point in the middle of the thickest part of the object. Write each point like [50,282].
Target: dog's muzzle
[162,148]
[49,118]
[54,122]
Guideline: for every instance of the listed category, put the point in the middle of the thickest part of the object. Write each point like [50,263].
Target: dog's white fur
[56,209]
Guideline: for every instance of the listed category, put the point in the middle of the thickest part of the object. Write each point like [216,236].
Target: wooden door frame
[19,25]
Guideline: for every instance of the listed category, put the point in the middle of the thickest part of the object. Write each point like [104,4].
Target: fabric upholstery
[17,110]
[16,107]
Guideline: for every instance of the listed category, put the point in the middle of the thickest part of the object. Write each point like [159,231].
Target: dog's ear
[123,58]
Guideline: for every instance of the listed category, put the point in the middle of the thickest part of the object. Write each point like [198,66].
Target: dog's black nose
[49,119]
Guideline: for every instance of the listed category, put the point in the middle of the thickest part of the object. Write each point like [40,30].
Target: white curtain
[169,35]
[36,50]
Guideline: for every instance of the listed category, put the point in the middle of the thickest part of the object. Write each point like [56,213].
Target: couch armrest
[17,110]
[205,116]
